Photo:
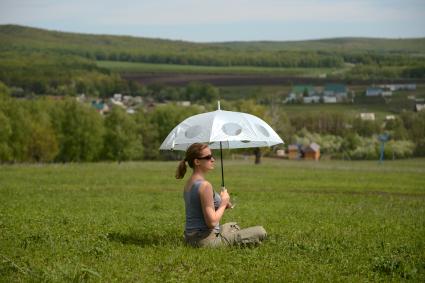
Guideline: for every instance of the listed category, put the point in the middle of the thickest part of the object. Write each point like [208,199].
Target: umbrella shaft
[222,171]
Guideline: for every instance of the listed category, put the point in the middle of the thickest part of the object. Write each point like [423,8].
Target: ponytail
[192,153]
[181,169]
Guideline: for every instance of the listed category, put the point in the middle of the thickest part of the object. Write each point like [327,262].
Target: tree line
[49,130]
[45,73]
[40,73]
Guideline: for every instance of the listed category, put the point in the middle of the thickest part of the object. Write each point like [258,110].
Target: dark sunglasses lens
[208,157]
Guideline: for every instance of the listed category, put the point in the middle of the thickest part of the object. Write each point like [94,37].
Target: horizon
[224,21]
[214,42]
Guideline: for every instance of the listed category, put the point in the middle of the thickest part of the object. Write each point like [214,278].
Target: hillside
[42,61]
[27,37]
[313,53]
[20,36]
[349,44]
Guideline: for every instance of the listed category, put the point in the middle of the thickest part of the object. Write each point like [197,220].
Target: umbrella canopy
[232,129]
[220,129]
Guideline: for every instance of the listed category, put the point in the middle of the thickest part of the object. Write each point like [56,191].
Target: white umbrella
[220,129]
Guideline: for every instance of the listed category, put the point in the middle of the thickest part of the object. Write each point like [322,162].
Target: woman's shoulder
[205,185]
[195,182]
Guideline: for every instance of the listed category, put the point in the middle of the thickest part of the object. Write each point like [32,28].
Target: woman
[205,208]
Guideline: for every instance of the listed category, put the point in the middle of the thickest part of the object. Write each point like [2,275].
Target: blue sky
[223,20]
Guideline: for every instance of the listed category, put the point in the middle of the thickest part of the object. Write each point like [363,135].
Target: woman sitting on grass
[205,208]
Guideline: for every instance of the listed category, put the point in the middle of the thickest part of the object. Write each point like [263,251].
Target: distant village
[339,93]
[304,94]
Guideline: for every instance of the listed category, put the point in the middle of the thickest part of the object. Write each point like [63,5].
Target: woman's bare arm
[211,216]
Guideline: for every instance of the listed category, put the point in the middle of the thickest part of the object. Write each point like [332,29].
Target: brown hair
[192,153]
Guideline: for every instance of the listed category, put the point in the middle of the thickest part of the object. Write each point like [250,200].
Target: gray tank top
[194,214]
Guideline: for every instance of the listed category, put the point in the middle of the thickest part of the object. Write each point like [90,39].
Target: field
[109,222]
[131,67]
[394,105]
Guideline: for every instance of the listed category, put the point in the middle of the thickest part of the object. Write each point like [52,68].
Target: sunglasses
[208,157]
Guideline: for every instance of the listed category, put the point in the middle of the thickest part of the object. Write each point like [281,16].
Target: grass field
[108,222]
[129,67]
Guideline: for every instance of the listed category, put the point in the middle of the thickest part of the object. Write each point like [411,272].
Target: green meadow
[109,222]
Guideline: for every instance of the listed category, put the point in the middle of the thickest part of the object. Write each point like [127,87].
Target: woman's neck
[198,174]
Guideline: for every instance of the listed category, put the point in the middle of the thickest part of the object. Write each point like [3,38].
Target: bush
[370,148]
[420,148]
[399,149]
[364,153]
[329,144]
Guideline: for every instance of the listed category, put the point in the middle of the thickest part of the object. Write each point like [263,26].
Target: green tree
[280,122]
[122,140]
[5,134]
[4,91]
[396,129]
[20,122]
[351,141]
[5,126]
[150,135]
[249,106]
[365,128]
[201,92]
[43,145]
[415,125]
[211,93]
[80,132]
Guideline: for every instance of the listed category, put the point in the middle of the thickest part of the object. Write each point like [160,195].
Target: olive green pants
[230,234]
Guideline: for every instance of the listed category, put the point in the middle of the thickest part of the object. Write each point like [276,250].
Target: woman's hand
[229,204]
[225,198]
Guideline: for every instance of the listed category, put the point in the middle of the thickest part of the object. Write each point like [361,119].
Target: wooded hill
[347,44]
[51,62]
[312,53]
